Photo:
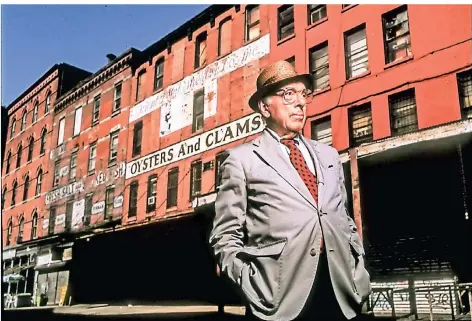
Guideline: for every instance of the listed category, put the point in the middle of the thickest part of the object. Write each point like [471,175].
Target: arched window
[4,196]
[9,232]
[34,225]
[39,181]
[30,149]
[12,128]
[42,148]
[13,193]
[23,121]
[35,112]
[7,166]
[21,229]
[48,103]
[18,155]
[26,188]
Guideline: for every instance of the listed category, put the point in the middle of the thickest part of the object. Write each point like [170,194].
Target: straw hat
[274,76]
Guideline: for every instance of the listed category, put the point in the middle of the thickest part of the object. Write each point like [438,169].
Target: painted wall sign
[109,175]
[98,207]
[64,191]
[118,201]
[78,213]
[6,255]
[216,137]
[45,223]
[57,151]
[203,200]
[60,219]
[64,171]
[197,80]
[44,259]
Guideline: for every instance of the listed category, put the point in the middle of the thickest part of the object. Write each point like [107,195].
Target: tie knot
[290,143]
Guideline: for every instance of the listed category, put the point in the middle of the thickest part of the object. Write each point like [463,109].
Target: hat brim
[305,78]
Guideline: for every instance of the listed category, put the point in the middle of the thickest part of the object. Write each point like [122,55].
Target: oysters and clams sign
[179,96]
[216,137]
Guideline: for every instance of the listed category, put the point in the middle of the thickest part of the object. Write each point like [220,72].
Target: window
[151,193]
[19,151]
[35,112]
[7,166]
[42,147]
[197,122]
[88,209]
[21,229]
[12,128]
[34,226]
[39,181]
[117,99]
[109,198]
[4,196]
[96,110]
[252,23]
[200,50]
[286,21]
[69,209]
[172,189]
[357,60]
[159,74]
[316,12]
[133,199]
[113,148]
[57,172]
[465,93]
[224,36]
[77,121]
[13,193]
[9,233]
[319,66]
[92,154]
[48,103]
[26,188]
[52,220]
[139,84]
[396,35]
[195,179]
[403,118]
[321,130]
[73,166]
[137,138]
[23,121]
[30,149]
[60,137]
[291,60]
[218,161]
[360,123]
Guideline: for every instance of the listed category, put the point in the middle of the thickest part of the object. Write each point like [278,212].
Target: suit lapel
[320,167]
[268,149]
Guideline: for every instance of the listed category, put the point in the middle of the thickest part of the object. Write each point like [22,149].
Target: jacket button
[312,252]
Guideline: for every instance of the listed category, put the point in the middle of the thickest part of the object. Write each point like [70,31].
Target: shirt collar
[277,137]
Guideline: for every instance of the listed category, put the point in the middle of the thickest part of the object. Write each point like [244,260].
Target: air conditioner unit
[151,200]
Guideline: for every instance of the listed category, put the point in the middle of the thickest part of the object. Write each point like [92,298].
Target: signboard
[109,175]
[203,200]
[8,254]
[78,213]
[216,137]
[45,223]
[64,171]
[118,201]
[60,219]
[57,151]
[98,207]
[64,191]
[67,254]
[204,77]
[44,259]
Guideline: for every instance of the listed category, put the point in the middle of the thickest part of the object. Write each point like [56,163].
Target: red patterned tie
[298,161]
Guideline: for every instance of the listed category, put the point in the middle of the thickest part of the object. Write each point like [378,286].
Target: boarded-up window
[286,21]
[224,37]
[360,123]
[178,52]
[357,59]
[319,66]
[403,117]
[321,130]
[200,50]
[396,34]
[77,121]
[252,23]
[60,137]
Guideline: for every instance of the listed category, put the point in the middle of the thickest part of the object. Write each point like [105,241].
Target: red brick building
[393,95]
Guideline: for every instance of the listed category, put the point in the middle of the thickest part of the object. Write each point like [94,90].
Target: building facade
[392,95]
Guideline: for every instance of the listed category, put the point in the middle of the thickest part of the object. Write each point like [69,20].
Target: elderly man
[281,232]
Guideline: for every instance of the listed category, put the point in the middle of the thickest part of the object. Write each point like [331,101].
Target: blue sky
[35,37]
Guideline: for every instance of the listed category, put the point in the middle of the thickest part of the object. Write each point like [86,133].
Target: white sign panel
[118,201]
[64,171]
[198,80]
[8,254]
[45,223]
[216,137]
[44,259]
[64,191]
[78,213]
[61,219]
[98,207]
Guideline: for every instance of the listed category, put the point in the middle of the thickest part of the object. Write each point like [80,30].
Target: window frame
[249,25]
[26,184]
[92,160]
[133,199]
[395,98]
[354,112]
[137,145]
[315,8]
[117,97]
[152,181]
[113,148]
[196,170]
[201,38]
[320,122]
[280,9]
[108,211]
[198,113]
[347,54]
[159,78]
[385,28]
[311,53]
[29,158]
[96,109]
[170,187]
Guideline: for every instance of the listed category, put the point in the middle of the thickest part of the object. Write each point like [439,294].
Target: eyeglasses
[290,95]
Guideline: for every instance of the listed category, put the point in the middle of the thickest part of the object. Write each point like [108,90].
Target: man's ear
[263,108]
